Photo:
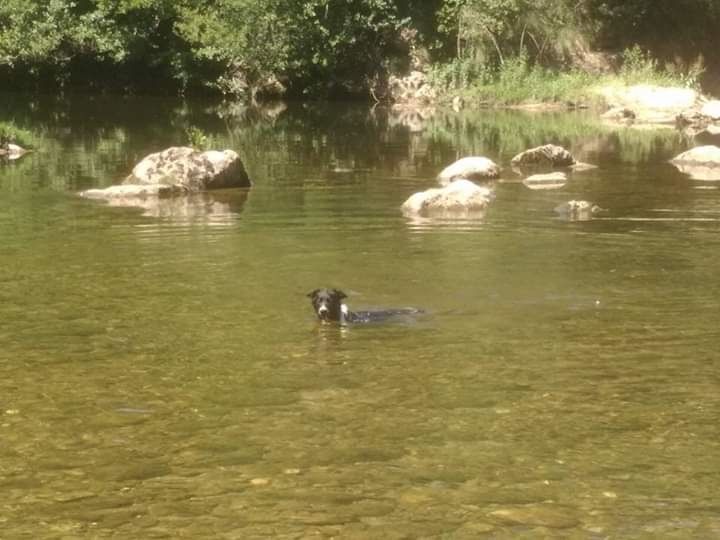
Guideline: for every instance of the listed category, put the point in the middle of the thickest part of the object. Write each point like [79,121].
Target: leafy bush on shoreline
[10,133]
[518,81]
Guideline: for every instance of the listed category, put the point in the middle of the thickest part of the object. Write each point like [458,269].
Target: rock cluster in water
[175,171]
[648,104]
[696,115]
[461,197]
[412,89]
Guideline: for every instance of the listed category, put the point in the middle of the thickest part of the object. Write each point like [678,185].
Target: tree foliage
[321,46]
[494,30]
[682,26]
[344,41]
[62,40]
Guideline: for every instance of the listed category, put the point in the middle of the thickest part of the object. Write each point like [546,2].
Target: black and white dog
[329,307]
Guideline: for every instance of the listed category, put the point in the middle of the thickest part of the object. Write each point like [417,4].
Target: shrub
[197,138]
[10,133]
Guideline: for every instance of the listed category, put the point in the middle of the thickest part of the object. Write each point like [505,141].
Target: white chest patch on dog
[343,312]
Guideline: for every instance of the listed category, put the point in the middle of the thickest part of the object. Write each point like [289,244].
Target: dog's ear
[313,293]
[340,294]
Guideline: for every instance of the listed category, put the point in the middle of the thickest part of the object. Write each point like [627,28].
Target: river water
[162,374]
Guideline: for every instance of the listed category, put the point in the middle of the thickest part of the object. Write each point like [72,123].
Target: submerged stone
[157,201]
[538,515]
[553,180]
[580,166]
[578,210]
[472,529]
[123,191]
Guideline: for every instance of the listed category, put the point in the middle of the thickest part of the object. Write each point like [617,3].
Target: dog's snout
[327,304]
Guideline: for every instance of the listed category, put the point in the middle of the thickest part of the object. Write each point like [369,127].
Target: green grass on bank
[518,82]
[10,133]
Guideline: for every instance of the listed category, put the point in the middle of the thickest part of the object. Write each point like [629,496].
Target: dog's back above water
[329,307]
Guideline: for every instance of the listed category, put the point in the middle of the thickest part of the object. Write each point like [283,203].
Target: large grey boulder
[475,168]
[171,174]
[460,198]
[700,163]
[191,170]
[547,155]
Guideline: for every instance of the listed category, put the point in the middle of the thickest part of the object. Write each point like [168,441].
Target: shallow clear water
[162,373]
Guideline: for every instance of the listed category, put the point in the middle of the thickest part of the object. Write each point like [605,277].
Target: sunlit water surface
[162,374]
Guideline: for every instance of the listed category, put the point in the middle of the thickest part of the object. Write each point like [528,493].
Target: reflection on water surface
[160,376]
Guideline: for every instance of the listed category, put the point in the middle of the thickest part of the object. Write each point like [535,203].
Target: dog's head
[328,304]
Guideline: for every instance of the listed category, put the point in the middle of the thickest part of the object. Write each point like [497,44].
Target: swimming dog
[329,307]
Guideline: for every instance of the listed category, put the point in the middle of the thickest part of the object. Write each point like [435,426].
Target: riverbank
[518,84]
[636,94]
